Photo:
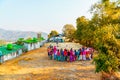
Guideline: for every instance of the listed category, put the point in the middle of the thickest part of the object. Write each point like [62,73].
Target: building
[39,35]
[6,54]
[17,49]
[57,38]
[34,44]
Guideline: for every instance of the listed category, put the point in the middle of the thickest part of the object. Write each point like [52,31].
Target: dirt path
[35,65]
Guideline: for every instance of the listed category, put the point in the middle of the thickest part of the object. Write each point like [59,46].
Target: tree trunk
[107,76]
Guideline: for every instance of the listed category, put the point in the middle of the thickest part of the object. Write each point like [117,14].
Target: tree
[102,32]
[84,32]
[82,24]
[107,26]
[68,31]
[20,41]
[53,33]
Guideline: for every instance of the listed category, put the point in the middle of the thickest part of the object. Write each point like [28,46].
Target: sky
[42,15]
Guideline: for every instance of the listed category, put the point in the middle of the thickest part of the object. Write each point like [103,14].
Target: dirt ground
[35,65]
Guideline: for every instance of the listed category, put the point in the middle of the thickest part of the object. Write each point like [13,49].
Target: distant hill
[14,35]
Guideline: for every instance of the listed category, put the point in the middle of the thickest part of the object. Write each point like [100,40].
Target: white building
[6,54]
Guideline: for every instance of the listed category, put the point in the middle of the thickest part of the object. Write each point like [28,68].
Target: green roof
[34,40]
[5,51]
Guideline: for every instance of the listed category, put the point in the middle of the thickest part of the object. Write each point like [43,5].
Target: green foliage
[9,46]
[84,32]
[69,31]
[53,33]
[102,32]
[20,41]
[106,63]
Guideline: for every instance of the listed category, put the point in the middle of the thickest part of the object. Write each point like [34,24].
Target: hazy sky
[42,15]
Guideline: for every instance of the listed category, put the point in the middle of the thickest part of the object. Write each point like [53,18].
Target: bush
[106,63]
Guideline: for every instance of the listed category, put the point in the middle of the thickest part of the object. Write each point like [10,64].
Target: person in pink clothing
[84,54]
[71,55]
[55,52]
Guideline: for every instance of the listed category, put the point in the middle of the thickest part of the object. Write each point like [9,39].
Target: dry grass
[35,65]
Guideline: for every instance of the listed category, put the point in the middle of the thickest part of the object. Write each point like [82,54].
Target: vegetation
[20,41]
[68,31]
[101,32]
[84,31]
[53,33]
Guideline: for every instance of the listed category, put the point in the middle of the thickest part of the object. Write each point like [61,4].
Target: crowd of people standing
[84,53]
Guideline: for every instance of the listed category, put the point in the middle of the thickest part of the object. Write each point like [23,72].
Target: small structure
[11,51]
[57,38]
[6,54]
[30,45]
[34,43]
[39,35]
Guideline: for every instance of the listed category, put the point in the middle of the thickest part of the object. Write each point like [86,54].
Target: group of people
[71,55]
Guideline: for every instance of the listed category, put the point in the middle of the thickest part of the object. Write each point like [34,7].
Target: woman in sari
[61,55]
[84,54]
[65,54]
[58,55]
[55,52]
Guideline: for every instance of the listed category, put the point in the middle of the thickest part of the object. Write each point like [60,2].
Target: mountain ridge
[11,35]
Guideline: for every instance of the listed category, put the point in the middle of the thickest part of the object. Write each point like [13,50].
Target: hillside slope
[14,35]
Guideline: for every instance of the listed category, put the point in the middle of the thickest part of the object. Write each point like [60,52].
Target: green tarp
[5,51]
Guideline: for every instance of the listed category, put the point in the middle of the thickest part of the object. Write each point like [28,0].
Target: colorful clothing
[84,55]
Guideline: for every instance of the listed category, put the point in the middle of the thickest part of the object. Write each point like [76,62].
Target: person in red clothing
[65,54]
[68,55]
